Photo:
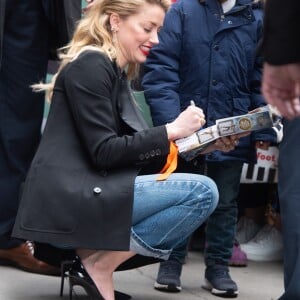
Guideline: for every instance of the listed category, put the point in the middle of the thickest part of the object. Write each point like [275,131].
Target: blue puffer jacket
[211,58]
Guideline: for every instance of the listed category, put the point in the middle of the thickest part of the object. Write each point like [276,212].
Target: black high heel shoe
[78,276]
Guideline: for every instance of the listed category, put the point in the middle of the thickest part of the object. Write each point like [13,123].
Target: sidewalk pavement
[257,281]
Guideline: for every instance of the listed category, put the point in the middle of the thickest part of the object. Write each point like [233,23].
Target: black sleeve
[89,83]
[281,44]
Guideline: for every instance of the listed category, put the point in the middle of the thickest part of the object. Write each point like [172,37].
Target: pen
[192,103]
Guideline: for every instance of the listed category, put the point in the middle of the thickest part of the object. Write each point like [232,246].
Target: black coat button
[158,152]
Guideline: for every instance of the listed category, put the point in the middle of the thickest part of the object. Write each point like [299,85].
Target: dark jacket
[281,44]
[209,57]
[79,189]
[59,15]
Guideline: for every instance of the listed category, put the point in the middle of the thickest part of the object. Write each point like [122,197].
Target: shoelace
[221,273]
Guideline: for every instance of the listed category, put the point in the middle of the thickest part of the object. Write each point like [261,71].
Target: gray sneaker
[219,283]
[168,278]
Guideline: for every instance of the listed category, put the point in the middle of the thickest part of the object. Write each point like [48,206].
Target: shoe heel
[72,282]
[70,291]
[64,268]
[79,277]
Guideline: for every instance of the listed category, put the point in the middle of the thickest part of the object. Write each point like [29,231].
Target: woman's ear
[114,21]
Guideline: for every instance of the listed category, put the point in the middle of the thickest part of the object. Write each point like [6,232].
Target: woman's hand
[189,121]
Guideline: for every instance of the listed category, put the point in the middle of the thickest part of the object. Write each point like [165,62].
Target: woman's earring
[114,35]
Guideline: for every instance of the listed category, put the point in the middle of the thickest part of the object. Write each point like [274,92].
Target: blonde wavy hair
[94,32]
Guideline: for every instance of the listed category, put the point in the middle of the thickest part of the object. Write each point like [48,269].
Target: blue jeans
[165,213]
[220,229]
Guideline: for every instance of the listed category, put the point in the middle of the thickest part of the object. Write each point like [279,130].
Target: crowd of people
[97,156]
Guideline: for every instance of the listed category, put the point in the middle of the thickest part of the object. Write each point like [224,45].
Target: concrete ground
[257,281]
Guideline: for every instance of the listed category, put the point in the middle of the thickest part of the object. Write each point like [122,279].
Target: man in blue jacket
[207,53]
[30,33]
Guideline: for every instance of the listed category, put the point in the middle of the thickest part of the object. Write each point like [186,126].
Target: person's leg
[168,277]
[100,265]
[20,120]
[166,212]
[289,197]
[221,224]
[164,215]
[220,229]
[24,62]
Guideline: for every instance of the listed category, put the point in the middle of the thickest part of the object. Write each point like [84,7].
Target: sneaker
[238,257]
[246,230]
[168,278]
[218,282]
[265,246]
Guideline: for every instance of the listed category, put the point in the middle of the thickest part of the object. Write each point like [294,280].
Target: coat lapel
[129,109]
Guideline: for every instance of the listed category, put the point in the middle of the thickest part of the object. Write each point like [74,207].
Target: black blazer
[79,189]
[281,44]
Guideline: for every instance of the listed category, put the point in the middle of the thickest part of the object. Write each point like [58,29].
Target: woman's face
[137,34]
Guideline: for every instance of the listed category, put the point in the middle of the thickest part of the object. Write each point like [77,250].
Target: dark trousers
[220,228]
[289,197]
[24,62]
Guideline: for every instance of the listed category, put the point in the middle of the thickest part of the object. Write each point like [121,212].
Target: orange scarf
[171,163]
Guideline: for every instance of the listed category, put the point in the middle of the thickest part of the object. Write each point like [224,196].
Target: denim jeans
[165,213]
[220,229]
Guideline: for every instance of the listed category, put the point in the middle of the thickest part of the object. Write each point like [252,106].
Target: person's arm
[281,88]
[281,46]
[89,88]
[161,79]
[281,43]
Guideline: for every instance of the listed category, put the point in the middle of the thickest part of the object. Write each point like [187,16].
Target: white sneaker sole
[221,293]
[171,288]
